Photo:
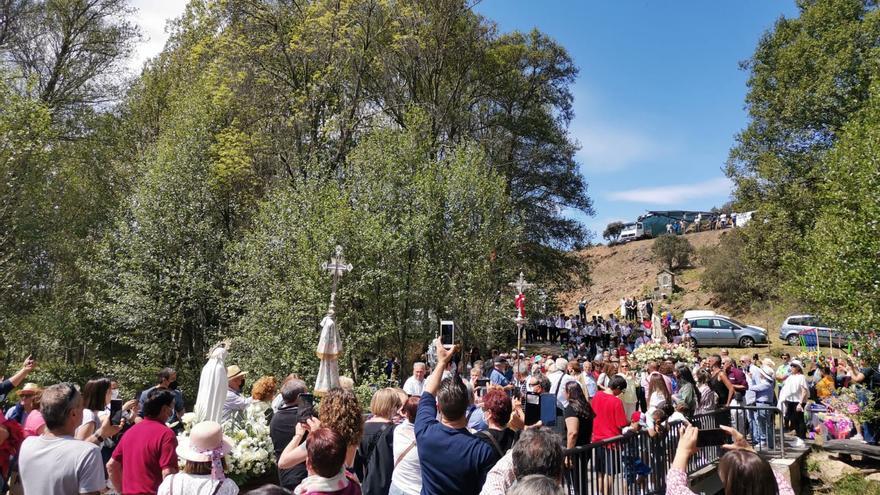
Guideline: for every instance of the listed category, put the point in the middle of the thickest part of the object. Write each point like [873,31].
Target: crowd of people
[458,424]
[585,336]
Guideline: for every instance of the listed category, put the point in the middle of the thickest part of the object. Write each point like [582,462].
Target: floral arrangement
[660,352]
[252,451]
[851,402]
[844,408]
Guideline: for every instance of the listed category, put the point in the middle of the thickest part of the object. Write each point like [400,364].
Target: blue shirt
[498,378]
[591,385]
[452,460]
[476,420]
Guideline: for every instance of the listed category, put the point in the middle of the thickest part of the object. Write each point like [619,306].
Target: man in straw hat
[19,412]
[235,403]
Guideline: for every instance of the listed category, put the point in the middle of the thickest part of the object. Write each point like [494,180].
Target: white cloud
[677,193]
[152,17]
[610,149]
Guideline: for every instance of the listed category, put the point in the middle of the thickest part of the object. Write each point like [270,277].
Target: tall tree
[315,75]
[839,276]
[68,53]
[808,76]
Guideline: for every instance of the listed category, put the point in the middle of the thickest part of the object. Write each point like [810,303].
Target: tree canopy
[146,219]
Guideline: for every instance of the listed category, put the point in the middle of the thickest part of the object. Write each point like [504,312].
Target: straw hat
[29,389]
[234,372]
[204,438]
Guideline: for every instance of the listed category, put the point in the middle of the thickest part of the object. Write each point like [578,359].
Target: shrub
[672,251]
[733,271]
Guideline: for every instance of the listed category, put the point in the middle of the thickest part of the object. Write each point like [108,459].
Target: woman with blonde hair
[339,411]
[374,462]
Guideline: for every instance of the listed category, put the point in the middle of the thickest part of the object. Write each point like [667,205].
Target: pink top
[33,423]
[677,483]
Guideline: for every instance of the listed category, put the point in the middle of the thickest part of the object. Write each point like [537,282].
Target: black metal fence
[636,463]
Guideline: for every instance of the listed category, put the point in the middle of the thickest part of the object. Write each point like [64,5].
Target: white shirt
[557,386]
[89,416]
[60,465]
[414,387]
[196,484]
[501,477]
[793,389]
[407,475]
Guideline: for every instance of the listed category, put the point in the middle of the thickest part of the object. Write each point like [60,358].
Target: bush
[672,251]
[732,272]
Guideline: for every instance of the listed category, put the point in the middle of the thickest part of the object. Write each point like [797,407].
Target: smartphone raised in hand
[712,437]
[447,333]
[115,407]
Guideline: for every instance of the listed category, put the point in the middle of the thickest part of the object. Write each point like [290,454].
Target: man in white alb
[415,384]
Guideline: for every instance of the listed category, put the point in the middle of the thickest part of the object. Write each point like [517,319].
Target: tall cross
[521,284]
[337,267]
[520,300]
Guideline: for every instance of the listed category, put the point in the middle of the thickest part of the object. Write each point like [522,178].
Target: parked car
[792,327]
[696,313]
[716,330]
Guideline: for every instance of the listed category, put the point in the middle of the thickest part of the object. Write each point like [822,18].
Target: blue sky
[660,94]
[658,101]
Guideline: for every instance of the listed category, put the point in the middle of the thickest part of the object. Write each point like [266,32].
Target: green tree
[70,49]
[808,76]
[672,251]
[839,276]
[729,272]
[426,236]
[316,74]
[612,231]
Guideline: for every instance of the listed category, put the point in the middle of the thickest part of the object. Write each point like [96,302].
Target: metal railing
[636,463]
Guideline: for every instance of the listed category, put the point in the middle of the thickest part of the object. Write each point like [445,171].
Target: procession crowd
[458,424]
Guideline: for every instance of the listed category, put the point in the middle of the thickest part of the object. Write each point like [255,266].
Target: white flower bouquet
[252,451]
[661,352]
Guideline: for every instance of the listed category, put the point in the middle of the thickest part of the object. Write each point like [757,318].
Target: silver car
[712,331]
[792,327]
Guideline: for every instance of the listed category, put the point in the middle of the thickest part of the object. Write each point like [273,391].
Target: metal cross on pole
[337,267]
[520,285]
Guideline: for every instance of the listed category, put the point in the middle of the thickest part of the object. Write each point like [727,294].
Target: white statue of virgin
[212,388]
[657,334]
